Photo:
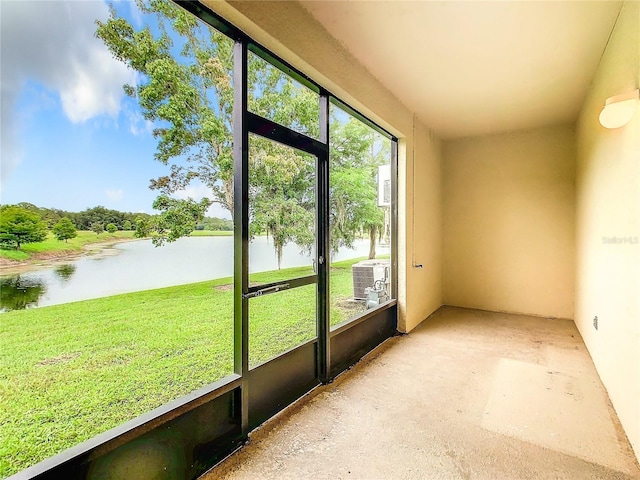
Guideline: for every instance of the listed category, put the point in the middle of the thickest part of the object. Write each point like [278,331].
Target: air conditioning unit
[366,273]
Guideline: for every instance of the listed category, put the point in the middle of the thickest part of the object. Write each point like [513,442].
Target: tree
[185,88]
[220,224]
[19,225]
[355,154]
[143,228]
[64,229]
[97,227]
[189,96]
[98,214]
[178,218]
[112,228]
[282,192]
[126,225]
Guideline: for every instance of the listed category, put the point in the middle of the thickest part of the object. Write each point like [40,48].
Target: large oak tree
[185,89]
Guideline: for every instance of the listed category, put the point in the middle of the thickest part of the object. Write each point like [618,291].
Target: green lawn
[211,233]
[69,372]
[54,247]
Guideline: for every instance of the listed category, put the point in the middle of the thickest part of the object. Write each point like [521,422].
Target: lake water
[134,266]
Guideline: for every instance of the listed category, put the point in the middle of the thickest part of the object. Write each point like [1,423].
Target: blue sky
[70,137]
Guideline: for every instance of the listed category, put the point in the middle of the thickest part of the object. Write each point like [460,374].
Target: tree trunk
[228,196]
[372,242]
[279,254]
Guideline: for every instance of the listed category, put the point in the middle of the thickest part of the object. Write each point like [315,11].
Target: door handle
[266,290]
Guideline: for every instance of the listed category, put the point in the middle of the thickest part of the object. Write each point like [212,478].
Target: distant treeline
[215,223]
[101,215]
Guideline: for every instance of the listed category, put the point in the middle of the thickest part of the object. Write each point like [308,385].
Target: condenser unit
[366,273]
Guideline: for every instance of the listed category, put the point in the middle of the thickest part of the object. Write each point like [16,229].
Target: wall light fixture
[619,110]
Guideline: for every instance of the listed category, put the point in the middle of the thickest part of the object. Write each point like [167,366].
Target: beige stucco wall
[608,205]
[508,230]
[288,30]
[422,231]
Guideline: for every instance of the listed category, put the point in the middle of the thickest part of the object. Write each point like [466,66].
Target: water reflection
[20,292]
[65,272]
[141,266]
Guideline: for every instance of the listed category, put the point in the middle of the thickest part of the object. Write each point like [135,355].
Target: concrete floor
[468,394]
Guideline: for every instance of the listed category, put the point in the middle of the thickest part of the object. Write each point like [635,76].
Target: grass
[54,247]
[69,372]
[15,255]
[211,233]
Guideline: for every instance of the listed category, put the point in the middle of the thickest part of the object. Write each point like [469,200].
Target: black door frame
[246,122]
[292,377]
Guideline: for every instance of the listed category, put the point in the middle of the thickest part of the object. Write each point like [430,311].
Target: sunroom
[498,334]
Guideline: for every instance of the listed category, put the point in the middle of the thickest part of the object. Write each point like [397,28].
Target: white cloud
[115,195]
[53,43]
[95,88]
[217,210]
[137,123]
[196,192]
[199,191]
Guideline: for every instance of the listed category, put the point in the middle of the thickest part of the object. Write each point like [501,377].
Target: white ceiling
[477,67]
